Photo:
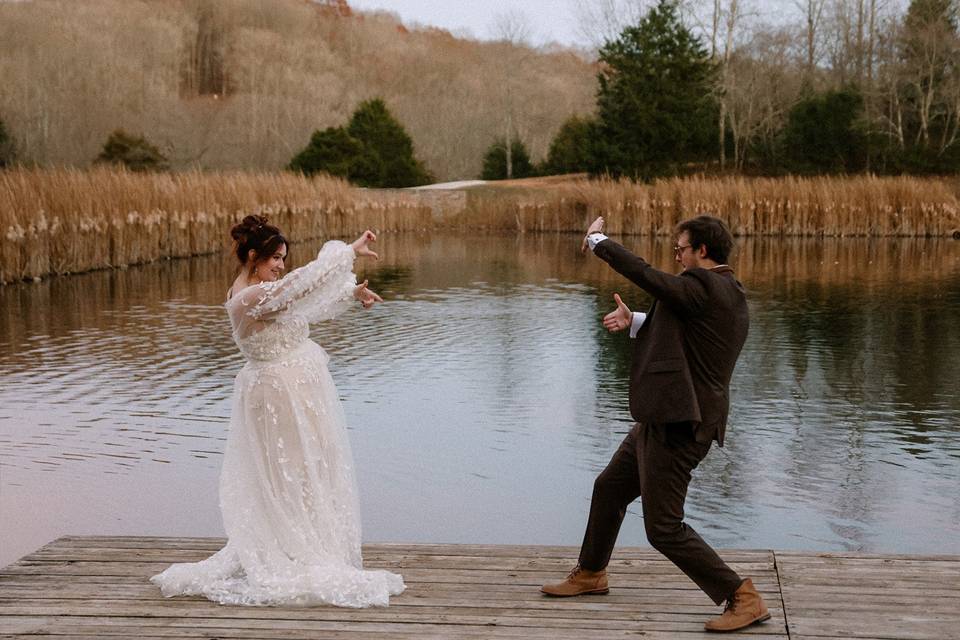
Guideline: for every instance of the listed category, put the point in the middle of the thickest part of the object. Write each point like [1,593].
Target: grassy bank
[67,221]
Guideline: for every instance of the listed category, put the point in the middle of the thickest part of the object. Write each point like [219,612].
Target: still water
[484,396]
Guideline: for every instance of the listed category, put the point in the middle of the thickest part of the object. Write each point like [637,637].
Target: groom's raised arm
[684,292]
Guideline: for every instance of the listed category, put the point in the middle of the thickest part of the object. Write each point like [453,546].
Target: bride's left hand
[360,247]
[367,297]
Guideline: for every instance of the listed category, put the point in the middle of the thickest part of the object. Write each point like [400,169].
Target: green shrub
[495,161]
[824,133]
[332,151]
[135,153]
[373,150]
[572,148]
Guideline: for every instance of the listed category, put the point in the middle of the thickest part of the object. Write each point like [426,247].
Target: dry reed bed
[68,221]
[792,206]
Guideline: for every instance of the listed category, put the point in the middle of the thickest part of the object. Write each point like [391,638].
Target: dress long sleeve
[317,291]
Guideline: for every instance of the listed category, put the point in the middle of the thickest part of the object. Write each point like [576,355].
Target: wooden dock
[84,587]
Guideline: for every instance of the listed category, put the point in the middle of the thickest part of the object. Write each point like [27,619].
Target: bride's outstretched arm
[320,289]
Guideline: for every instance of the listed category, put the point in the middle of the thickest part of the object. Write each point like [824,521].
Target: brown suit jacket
[686,350]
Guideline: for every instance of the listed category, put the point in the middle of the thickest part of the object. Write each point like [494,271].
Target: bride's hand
[367,297]
[360,245]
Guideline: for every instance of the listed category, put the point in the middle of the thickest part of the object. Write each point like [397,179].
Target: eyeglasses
[679,249]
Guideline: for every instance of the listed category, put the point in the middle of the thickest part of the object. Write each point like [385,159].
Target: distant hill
[241,84]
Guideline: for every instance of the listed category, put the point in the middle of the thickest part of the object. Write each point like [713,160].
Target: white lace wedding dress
[288,494]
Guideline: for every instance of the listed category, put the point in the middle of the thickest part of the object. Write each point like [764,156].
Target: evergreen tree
[133,152]
[373,125]
[655,105]
[571,149]
[825,134]
[495,161]
[333,151]
[374,150]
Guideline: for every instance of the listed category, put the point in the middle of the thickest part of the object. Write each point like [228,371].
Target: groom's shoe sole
[762,618]
[592,592]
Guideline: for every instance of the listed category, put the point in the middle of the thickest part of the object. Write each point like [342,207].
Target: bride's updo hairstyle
[254,232]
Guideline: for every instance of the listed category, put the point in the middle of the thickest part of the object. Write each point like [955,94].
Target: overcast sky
[551,20]
[548,20]
[555,20]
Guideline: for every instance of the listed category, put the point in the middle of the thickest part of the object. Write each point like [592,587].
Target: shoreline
[70,221]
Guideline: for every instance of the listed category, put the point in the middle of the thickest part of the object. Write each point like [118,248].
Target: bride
[288,495]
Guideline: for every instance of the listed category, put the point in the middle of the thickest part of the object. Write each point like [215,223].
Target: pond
[484,396]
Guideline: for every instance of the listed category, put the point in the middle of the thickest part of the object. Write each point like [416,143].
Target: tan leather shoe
[579,582]
[743,609]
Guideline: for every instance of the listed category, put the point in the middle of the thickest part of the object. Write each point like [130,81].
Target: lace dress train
[288,493]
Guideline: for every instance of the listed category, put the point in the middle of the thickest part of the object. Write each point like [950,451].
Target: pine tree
[655,106]
[571,149]
[385,138]
[373,150]
[495,161]
[332,151]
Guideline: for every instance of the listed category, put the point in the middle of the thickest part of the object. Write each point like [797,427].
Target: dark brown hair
[709,231]
[254,232]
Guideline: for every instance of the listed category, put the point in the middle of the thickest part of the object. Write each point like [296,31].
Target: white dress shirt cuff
[638,319]
[594,239]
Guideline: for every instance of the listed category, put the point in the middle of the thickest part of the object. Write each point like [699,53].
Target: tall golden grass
[792,206]
[67,221]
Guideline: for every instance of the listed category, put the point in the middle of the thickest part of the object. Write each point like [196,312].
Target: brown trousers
[654,462]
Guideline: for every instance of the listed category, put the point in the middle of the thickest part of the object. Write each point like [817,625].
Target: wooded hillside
[241,84]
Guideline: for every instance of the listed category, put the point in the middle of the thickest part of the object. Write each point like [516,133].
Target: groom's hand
[595,227]
[618,319]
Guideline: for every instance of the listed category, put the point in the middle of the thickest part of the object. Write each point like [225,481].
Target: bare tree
[762,87]
[930,65]
[513,29]
[730,20]
[512,26]
[600,21]
[714,27]
[850,35]
[203,70]
[812,15]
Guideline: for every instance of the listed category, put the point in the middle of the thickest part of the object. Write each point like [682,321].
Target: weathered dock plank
[85,587]
[868,597]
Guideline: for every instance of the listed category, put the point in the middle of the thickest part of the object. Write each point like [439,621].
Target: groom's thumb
[616,297]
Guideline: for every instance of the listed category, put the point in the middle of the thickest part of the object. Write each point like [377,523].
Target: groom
[686,347]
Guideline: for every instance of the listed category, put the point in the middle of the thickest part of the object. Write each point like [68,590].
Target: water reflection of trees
[862,321]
